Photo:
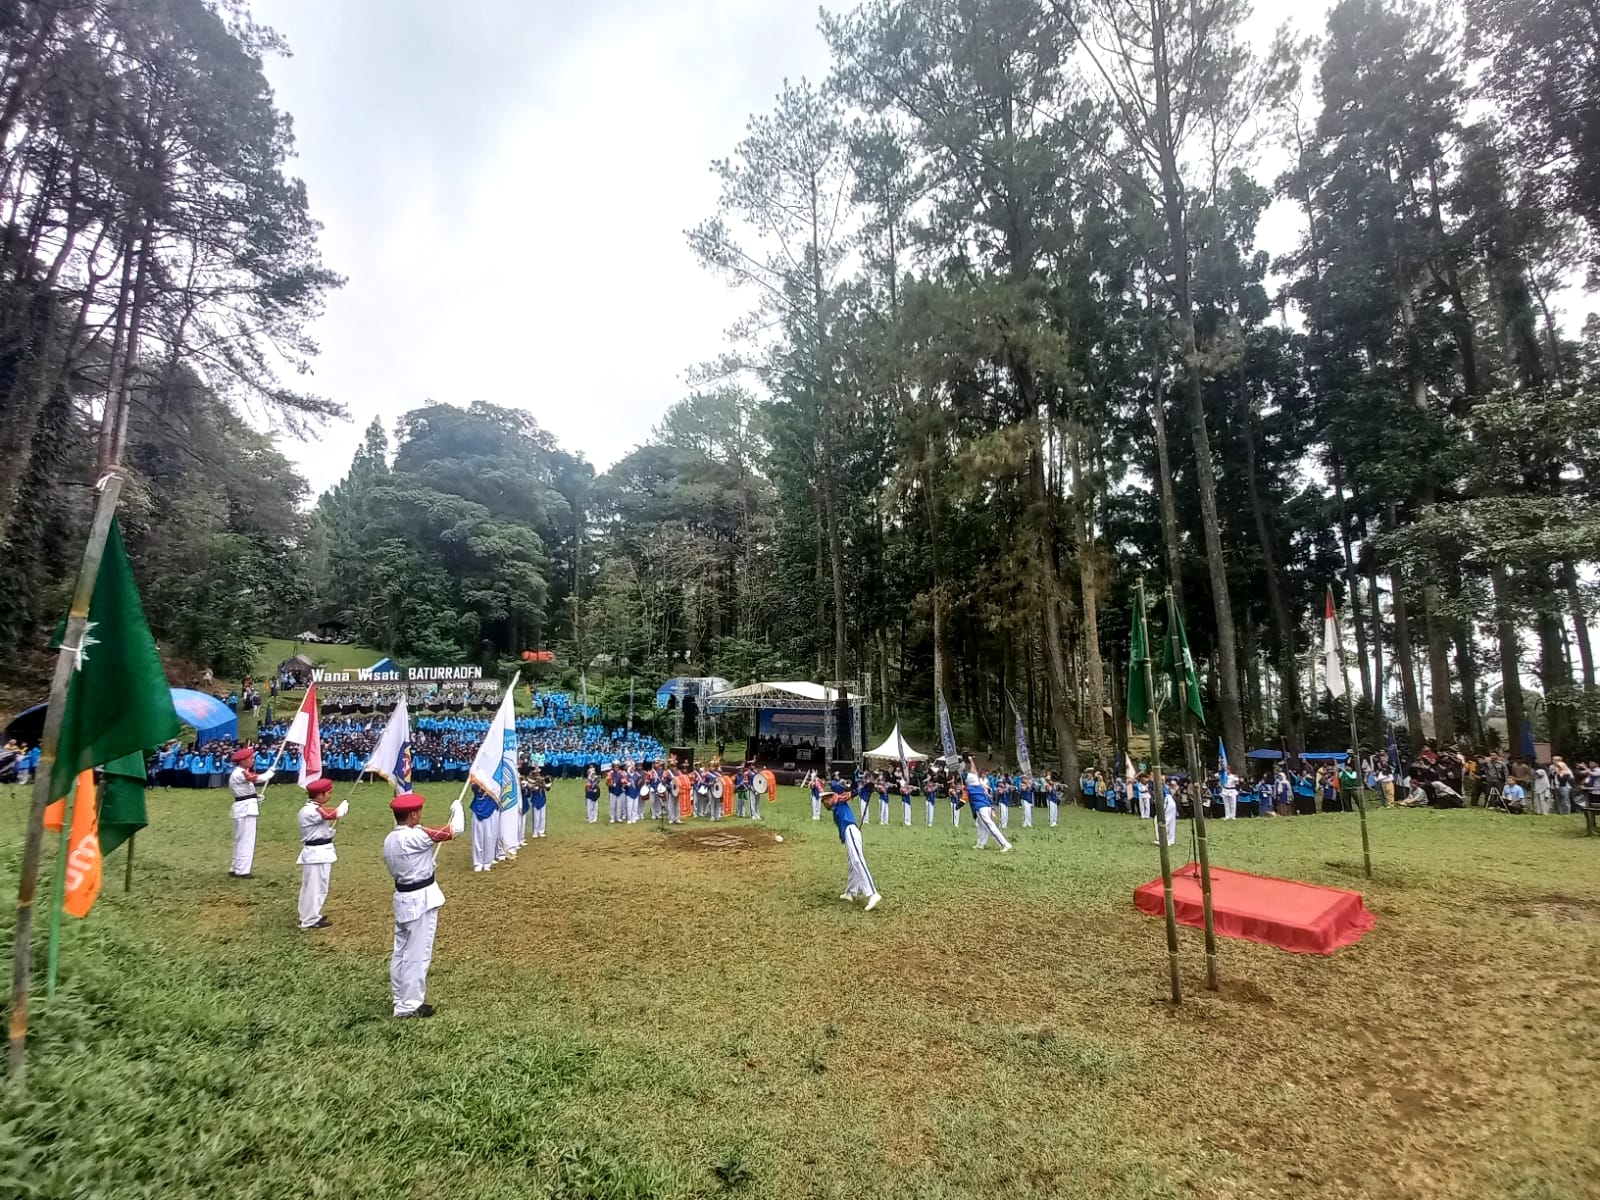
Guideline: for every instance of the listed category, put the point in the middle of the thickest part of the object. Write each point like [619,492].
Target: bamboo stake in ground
[1355,746]
[1180,677]
[1158,807]
[33,844]
[127,871]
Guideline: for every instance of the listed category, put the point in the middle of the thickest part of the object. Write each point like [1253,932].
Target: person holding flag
[485,830]
[494,771]
[316,851]
[410,852]
[246,809]
[1227,784]
[858,880]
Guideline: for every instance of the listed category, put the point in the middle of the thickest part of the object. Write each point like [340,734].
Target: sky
[506,185]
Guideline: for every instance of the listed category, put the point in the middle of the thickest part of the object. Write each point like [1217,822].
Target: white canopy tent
[895,748]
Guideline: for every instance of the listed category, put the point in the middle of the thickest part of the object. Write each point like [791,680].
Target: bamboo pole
[1196,801]
[58,895]
[1158,808]
[1355,746]
[33,844]
[127,869]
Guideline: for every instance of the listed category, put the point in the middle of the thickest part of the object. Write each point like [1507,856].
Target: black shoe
[244,875]
[323,923]
[422,1010]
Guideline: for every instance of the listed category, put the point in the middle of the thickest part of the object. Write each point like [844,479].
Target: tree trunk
[1510,654]
[1061,701]
[1554,672]
[1169,507]
[1380,719]
[1440,692]
[1088,578]
[1357,618]
[1467,669]
[1402,650]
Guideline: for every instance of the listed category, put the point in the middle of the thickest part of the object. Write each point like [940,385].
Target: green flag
[1177,636]
[122,811]
[1138,702]
[118,702]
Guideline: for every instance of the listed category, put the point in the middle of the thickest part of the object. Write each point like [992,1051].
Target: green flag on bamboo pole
[1169,666]
[122,811]
[1138,701]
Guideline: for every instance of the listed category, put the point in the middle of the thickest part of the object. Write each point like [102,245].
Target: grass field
[273,651]
[629,1012]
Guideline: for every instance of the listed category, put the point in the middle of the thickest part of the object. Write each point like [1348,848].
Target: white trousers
[986,829]
[859,880]
[1144,806]
[313,892]
[1005,816]
[883,810]
[1170,820]
[1055,812]
[1027,814]
[907,806]
[244,844]
[538,815]
[755,806]
[955,815]
[617,810]
[633,808]
[408,968]
[510,823]
[930,814]
[485,841]
[591,807]
[1230,804]
[816,808]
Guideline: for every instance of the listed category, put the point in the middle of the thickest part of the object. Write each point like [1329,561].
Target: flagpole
[1158,809]
[1180,670]
[1355,745]
[127,873]
[33,845]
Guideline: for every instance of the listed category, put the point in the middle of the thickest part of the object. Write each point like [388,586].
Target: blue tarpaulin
[211,718]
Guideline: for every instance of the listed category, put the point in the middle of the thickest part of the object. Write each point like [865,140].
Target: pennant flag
[122,811]
[1394,752]
[1330,648]
[494,767]
[1023,764]
[1138,702]
[1169,664]
[83,846]
[947,735]
[1222,758]
[305,731]
[118,702]
[391,757]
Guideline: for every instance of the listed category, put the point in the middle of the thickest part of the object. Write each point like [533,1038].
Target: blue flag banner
[1023,764]
[1394,752]
[947,735]
[1222,757]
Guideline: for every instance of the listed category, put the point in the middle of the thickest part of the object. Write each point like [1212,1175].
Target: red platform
[1299,917]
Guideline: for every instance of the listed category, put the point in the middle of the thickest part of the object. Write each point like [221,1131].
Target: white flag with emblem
[1330,649]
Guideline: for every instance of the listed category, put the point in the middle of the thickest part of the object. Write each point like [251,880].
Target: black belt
[414,886]
[327,841]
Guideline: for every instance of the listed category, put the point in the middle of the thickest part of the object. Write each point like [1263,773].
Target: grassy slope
[629,1013]
[273,651]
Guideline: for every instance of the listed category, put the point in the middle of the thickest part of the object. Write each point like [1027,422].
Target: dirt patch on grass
[720,841]
[1559,906]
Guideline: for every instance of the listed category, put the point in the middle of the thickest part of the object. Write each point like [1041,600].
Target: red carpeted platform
[1300,917]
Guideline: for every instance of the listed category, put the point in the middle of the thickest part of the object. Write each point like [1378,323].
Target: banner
[1023,764]
[947,735]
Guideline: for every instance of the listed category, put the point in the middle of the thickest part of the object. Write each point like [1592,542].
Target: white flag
[391,757]
[1330,649]
[494,768]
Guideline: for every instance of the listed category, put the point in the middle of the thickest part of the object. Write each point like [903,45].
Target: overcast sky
[506,185]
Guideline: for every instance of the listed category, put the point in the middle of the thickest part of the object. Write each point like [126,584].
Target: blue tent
[211,718]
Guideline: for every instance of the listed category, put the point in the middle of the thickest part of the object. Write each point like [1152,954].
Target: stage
[1299,917]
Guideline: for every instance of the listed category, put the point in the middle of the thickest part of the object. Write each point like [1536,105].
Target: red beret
[406,802]
[319,787]
[244,754]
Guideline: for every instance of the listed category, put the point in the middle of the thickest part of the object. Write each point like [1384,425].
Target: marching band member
[485,830]
[858,880]
[538,796]
[630,791]
[814,782]
[1145,790]
[591,795]
[880,784]
[408,852]
[618,810]
[1027,801]
[1002,801]
[316,852]
[983,812]
[930,793]
[755,795]
[1052,797]
[952,787]
[246,808]
[741,794]
[904,783]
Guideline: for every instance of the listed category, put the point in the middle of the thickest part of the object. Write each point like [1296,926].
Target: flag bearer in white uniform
[1145,786]
[410,853]
[1229,786]
[242,783]
[858,880]
[1169,812]
[485,830]
[983,812]
[316,852]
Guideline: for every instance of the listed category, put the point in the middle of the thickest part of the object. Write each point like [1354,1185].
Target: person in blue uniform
[538,797]
[930,793]
[858,880]
[982,802]
[617,811]
[485,829]
[591,795]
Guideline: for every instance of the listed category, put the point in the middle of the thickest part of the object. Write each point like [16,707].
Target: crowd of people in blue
[442,746]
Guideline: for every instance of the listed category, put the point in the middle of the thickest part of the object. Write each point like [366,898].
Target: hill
[273,651]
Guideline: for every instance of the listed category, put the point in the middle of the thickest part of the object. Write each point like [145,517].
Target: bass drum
[716,788]
[760,785]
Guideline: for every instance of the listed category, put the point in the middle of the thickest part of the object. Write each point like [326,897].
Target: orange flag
[83,845]
[727,795]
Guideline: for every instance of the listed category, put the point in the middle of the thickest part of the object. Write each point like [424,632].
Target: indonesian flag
[305,732]
[1330,648]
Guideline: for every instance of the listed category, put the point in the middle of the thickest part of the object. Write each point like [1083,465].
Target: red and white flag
[306,732]
[1330,649]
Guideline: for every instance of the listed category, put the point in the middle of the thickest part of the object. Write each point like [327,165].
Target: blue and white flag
[947,735]
[391,757]
[1222,759]
[494,767]
[1023,764]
